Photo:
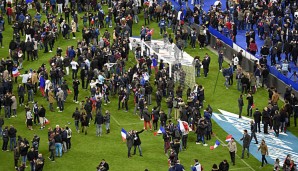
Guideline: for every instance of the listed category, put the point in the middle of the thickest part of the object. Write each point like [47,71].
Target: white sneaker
[142,119]
[74,38]
[198,143]
[59,111]
[12,116]
[77,101]
[50,51]
[57,107]
[205,145]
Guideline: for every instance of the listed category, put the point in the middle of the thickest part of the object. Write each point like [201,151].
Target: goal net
[181,66]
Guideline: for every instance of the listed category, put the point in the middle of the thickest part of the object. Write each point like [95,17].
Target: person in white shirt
[235,62]
[197,166]
[25,78]
[74,67]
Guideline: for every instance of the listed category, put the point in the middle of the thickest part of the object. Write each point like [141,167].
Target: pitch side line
[115,120]
[237,156]
[239,168]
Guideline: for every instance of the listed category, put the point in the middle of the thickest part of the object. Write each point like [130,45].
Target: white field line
[237,156]
[242,168]
[136,123]
[115,120]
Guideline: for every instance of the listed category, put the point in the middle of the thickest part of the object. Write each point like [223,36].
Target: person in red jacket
[253,48]
[9,14]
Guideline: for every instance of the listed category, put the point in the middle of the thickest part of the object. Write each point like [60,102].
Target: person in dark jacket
[76,84]
[52,149]
[265,119]
[5,138]
[250,101]
[224,166]
[156,116]
[147,118]
[77,115]
[58,144]
[276,123]
[201,132]
[31,158]
[12,133]
[137,141]
[257,118]
[246,142]
[99,120]
[253,128]
[240,105]
[64,139]
[16,156]
[42,115]
[129,142]
[206,62]
[103,165]
[163,118]
[107,120]
[29,46]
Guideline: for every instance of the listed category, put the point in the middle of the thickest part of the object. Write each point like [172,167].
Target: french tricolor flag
[228,138]
[123,134]
[217,143]
[15,72]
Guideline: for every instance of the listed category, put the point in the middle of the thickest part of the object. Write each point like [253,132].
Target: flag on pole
[217,143]
[123,134]
[15,72]
[183,127]
[228,138]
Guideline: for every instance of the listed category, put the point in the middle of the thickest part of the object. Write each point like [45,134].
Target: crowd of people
[100,58]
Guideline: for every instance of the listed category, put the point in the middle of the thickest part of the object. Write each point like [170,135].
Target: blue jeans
[32,165]
[77,124]
[7,111]
[243,150]
[58,149]
[201,138]
[198,71]
[107,126]
[24,159]
[61,104]
[227,82]
[12,143]
[98,129]
[30,96]
[135,149]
